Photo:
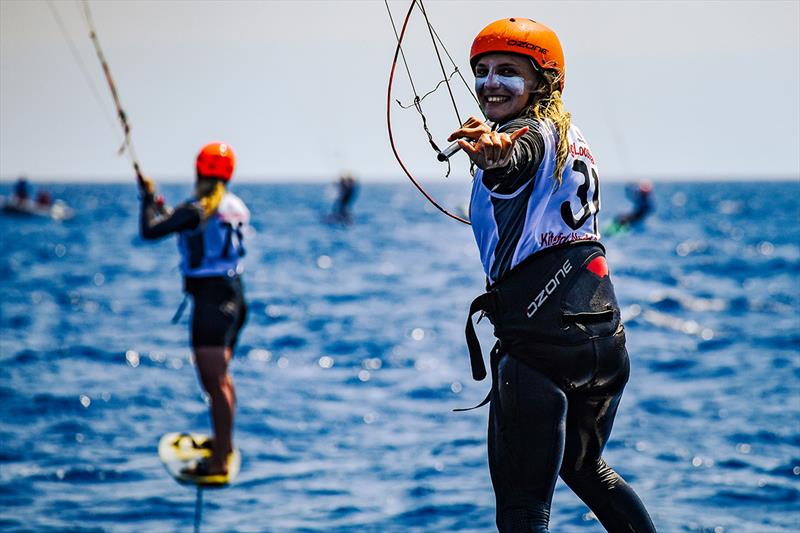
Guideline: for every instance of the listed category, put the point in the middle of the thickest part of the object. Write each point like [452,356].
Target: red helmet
[521,36]
[216,160]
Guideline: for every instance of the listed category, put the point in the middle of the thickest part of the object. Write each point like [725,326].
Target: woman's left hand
[488,149]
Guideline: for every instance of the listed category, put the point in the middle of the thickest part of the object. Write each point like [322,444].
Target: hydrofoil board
[182,452]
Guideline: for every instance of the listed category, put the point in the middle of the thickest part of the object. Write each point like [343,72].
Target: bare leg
[212,367]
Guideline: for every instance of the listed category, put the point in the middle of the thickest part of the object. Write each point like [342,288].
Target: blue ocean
[354,356]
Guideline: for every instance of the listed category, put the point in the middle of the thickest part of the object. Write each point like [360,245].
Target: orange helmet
[521,36]
[216,160]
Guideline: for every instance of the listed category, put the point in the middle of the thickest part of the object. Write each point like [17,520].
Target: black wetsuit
[347,191]
[220,309]
[558,369]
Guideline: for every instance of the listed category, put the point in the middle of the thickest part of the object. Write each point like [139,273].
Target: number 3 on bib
[576,220]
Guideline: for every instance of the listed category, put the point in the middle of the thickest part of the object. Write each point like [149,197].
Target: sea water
[353,358]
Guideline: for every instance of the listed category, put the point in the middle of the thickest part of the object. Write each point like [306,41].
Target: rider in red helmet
[560,365]
[210,239]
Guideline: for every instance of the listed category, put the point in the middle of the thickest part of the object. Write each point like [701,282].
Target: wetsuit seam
[516,416]
[555,442]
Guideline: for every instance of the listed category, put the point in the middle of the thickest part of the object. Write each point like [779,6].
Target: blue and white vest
[215,247]
[509,228]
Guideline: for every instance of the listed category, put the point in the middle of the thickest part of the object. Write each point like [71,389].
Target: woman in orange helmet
[560,365]
[209,229]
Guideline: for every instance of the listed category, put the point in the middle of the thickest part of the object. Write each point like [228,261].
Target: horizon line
[288,180]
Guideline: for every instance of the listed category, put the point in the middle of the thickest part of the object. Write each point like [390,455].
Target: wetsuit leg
[241,317]
[234,337]
[219,311]
[589,420]
[217,316]
[527,423]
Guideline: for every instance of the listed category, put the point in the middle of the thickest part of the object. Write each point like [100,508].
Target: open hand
[488,149]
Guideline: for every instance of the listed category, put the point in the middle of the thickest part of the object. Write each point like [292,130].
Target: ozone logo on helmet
[529,46]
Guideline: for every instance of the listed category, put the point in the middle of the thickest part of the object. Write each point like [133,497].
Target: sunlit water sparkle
[354,357]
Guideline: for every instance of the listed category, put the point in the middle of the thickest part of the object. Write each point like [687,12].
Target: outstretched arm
[509,157]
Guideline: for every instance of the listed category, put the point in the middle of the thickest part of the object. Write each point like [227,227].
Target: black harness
[550,307]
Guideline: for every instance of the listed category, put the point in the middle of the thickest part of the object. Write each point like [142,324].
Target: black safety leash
[486,303]
[181,308]
[494,359]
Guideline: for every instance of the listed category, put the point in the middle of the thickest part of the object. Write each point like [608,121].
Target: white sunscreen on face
[513,84]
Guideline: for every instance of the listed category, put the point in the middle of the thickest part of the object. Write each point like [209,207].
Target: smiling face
[503,83]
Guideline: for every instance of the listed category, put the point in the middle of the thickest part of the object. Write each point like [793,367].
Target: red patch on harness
[598,267]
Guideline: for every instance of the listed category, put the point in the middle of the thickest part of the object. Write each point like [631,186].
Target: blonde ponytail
[547,104]
[211,200]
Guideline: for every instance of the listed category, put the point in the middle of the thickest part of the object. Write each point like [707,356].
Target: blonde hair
[547,104]
[209,202]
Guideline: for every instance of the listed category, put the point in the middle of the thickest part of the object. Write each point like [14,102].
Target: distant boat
[58,210]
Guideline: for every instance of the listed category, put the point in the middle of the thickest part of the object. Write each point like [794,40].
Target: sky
[661,90]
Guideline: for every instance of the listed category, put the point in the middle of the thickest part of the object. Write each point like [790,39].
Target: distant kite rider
[347,189]
[22,190]
[641,196]
[210,234]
